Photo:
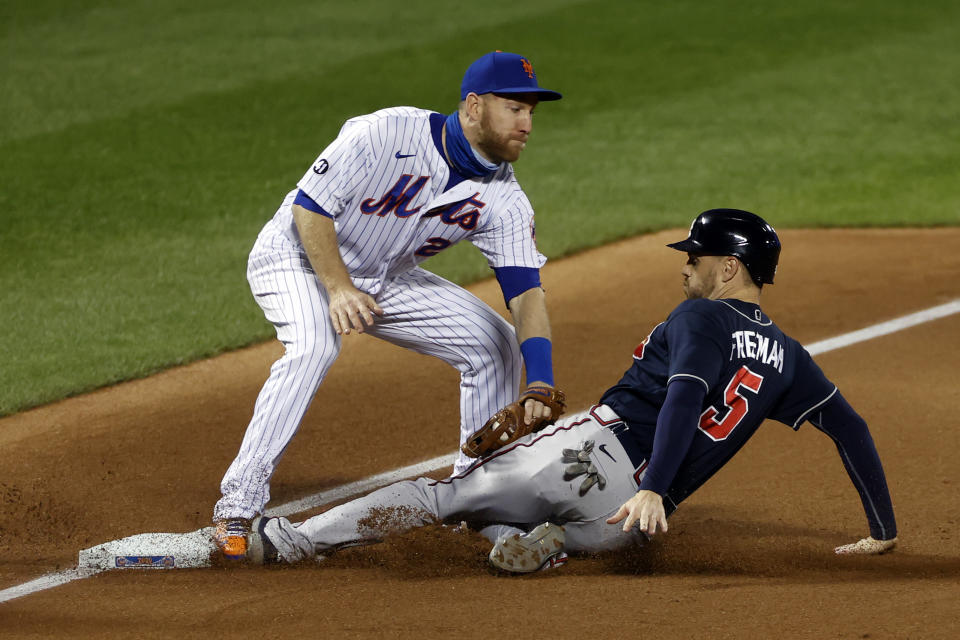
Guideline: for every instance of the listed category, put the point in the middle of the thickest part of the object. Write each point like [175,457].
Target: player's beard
[702,285]
[689,291]
[496,146]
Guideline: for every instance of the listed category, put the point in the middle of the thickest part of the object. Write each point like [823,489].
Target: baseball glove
[507,424]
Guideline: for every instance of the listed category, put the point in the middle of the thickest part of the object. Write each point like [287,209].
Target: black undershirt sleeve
[676,425]
[849,431]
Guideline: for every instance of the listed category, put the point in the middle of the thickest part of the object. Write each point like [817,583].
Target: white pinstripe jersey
[383,181]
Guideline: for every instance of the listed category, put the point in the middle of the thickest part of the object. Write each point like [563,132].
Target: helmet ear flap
[754,278]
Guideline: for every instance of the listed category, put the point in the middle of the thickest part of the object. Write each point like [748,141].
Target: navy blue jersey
[750,371]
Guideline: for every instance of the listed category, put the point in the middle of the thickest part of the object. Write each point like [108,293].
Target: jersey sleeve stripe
[310,204]
[803,416]
[690,375]
[515,280]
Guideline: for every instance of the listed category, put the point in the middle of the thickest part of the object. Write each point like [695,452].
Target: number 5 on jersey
[736,403]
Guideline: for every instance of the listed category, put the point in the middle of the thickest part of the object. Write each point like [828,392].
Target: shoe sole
[538,550]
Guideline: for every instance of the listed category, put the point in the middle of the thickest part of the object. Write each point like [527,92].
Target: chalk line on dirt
[58,578]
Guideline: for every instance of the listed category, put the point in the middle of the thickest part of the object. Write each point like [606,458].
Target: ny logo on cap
[527,67]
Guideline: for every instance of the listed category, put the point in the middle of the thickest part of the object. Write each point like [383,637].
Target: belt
[608,419]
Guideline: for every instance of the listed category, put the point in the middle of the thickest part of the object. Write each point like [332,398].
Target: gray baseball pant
[524,484]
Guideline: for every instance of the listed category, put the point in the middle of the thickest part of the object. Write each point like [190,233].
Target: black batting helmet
[733,232]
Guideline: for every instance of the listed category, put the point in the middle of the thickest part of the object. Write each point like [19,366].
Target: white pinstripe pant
[422,312]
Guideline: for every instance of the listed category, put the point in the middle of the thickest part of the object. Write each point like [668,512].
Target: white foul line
[46,582]
[361,486]
[884,328]
[345,491]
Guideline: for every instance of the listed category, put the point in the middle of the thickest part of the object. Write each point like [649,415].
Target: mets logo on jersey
[454,213]
[396,199]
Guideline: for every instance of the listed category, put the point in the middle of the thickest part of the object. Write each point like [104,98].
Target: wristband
[538,358]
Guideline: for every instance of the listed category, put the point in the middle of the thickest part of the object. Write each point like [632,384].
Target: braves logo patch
[638,352]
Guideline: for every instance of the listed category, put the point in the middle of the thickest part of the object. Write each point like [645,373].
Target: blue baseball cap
[502,72]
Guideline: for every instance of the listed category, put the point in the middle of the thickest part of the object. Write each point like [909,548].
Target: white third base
[152,551]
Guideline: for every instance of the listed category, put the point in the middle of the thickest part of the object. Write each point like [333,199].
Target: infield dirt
[750,555]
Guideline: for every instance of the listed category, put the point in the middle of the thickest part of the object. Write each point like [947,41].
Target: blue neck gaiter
[464,158]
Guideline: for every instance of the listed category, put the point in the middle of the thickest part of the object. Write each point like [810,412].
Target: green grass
[142,148]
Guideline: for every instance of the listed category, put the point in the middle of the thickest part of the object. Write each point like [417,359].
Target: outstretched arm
[849,431]
[676,426]
[529,312]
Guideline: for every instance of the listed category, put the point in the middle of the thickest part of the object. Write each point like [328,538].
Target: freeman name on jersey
[756,346]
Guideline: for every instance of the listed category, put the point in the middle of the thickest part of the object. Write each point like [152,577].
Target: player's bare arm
[350,308]
[645,510]
[529,312]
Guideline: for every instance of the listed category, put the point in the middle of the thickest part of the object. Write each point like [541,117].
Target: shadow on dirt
[712,541]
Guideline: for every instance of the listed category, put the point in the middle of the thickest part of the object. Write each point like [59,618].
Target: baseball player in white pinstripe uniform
[396,187]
